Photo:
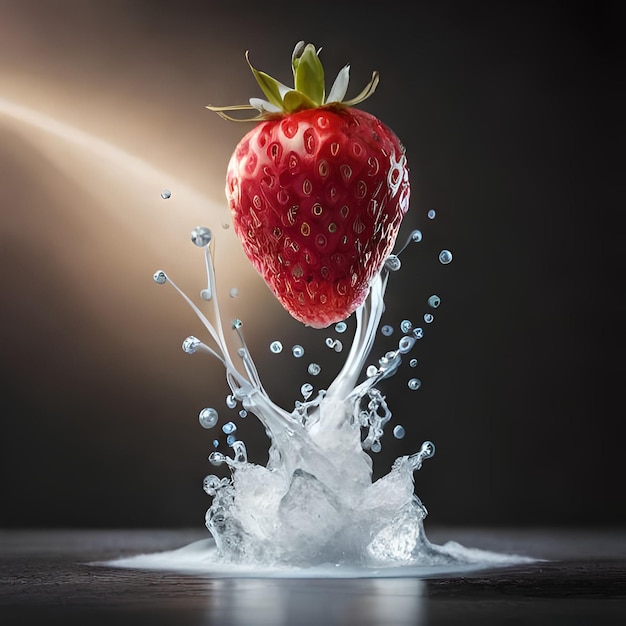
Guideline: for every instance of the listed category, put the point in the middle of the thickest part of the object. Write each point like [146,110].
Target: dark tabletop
[46,578]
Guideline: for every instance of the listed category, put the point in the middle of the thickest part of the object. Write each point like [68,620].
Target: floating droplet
[414,384]
[413,362]
[297,351]
[434,301]
[431,214]
[159,277]
[416,236]
[165,194]
[216,458]
[406,326]
[201,236]
[427,450]
[216,443]
[418,333]
[445,257]
[234,292]
[371,370]
[306,390]
[399,432]
[276,347]
[376,447]
[428,317]
[208,417]
[230,440]
[405,344]
[229,427]
[387,330]
[190,345]
[243,413]
[334,344]
[314,369]
[393,263]
[231,403]
[341,327]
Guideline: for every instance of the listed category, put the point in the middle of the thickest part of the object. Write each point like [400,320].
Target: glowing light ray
[132,167]
[87,141]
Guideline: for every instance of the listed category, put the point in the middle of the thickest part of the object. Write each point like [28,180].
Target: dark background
[514,133]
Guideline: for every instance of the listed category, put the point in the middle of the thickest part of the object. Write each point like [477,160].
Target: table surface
[45,578]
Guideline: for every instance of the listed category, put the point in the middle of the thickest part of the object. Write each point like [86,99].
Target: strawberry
[317,191]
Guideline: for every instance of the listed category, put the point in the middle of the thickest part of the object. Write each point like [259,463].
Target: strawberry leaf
[340,86]
[270,86]
[309,75]
[297,101]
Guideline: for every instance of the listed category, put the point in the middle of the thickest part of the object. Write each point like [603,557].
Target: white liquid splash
[313,510]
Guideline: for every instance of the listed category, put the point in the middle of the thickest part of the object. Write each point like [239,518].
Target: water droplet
[237,324]
[306,390]
[276,347]
[216,458]
[405,344]
[431,214]
[416,236]
[428,317]
[445,257]
[208,417]
[334,344]
[399,432]
[387,330]
[225,225]
[406,326]
[427,450]
[234,292]
[205,294]
[216,443]
[393,263]
[434,301]
[229,428]
[314,369]
[190,345]
[243,413]
[159,277]
[231,403]
[230,440]
[165,194]
[201,236]
[418,333]
[372,370]
[297,351]
[414,384]
[376,447]
[341,327]
[413,362]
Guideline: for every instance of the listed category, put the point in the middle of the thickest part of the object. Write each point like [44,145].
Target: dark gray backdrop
[514,132]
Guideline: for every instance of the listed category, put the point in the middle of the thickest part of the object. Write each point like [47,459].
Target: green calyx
[308,91]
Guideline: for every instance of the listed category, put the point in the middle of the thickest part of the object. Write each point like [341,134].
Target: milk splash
[313,509]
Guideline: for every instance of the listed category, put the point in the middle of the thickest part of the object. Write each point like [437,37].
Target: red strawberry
[317,192]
